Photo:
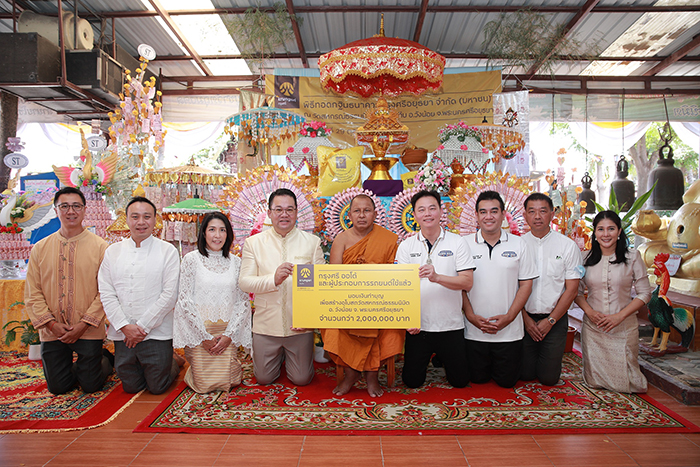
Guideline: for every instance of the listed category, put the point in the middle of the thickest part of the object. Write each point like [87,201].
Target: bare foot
[178,359]
[351,377]
[373,387]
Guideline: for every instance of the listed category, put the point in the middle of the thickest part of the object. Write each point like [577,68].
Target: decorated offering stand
[304,151]
[181,222]
[172,185]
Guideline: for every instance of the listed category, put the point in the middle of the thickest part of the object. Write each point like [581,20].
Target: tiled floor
[115,445]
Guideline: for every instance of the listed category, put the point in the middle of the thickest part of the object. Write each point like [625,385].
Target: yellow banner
[463,96]
[356,296]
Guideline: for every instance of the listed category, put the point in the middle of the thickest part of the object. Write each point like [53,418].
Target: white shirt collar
[144,243]
[421,238]
[543,239]
[480,238]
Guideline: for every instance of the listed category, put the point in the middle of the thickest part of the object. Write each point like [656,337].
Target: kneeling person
[446,268]
[502,285]
[545,314]
[138,285]
[267,264]
[63,301]
[361,350]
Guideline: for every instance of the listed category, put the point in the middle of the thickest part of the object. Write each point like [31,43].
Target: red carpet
[434,409]
[26,406]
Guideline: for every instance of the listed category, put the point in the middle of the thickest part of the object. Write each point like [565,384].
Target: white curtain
[183,140]
[47,144]
[605,140]
[689,133]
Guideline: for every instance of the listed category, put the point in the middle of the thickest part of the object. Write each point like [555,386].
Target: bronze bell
[668,194]
[587,194]
[623,188]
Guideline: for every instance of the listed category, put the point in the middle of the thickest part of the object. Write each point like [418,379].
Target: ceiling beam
[398,9]
[463,56]
[163,13]
[573,22]
[548,85]
[555,78]
[297,34]
[200,91]
[421,19]
[675,56]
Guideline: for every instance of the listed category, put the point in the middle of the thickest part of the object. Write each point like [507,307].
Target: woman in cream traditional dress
[610,334]
[212,315]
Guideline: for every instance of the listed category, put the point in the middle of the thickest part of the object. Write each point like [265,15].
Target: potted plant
[29,336]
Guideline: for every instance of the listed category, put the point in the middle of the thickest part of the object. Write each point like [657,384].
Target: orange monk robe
[366,349]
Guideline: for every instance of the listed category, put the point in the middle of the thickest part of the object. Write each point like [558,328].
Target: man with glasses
[63,300]
[268,261]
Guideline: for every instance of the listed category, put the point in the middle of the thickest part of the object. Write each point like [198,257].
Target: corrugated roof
[454,33]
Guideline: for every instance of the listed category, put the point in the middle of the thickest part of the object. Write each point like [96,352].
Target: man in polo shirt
[502,285]
[545,315]
[446,268]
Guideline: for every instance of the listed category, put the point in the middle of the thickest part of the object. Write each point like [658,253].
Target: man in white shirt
[138,282]
[268,259]
[545,314]
[502,285]
[446,268]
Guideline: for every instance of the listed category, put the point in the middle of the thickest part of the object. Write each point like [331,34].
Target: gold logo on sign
[305,273]
[287,89]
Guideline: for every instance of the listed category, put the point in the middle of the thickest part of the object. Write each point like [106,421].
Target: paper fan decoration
[247,197]
[402,222]
[512,189]
[336,214]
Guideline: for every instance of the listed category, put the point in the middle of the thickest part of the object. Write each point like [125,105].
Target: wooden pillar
[8,129]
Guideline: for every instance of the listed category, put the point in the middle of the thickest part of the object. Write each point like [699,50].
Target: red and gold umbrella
[382,65]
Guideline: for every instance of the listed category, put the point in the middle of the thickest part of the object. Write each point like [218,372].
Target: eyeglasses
[288,211]
[65,207]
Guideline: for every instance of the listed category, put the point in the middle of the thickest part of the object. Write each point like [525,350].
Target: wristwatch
[551,320]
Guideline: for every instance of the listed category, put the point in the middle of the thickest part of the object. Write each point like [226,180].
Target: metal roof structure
[643,46]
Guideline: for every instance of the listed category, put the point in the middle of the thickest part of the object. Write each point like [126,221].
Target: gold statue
[679,236]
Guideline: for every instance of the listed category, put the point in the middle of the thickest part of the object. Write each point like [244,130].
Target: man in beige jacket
[268,261]
[63,301]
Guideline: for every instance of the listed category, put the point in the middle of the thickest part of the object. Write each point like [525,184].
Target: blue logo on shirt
[446,253]
[509,254]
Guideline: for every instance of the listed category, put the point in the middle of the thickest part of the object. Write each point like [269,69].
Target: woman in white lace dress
[212,315]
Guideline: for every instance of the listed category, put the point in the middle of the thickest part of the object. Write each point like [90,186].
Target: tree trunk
[8,129]
[644,163]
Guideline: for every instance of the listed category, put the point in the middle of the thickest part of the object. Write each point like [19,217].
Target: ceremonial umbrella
[265,126]
[194,205]
[382,65]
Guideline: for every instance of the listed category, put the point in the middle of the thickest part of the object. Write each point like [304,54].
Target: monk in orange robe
[361,350]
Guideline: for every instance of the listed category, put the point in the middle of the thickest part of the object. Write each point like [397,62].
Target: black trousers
[447,345]
[149,365]
[542,360]
[90,370]
[498,360]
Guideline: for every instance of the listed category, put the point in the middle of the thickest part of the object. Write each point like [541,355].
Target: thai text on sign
[356,296]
